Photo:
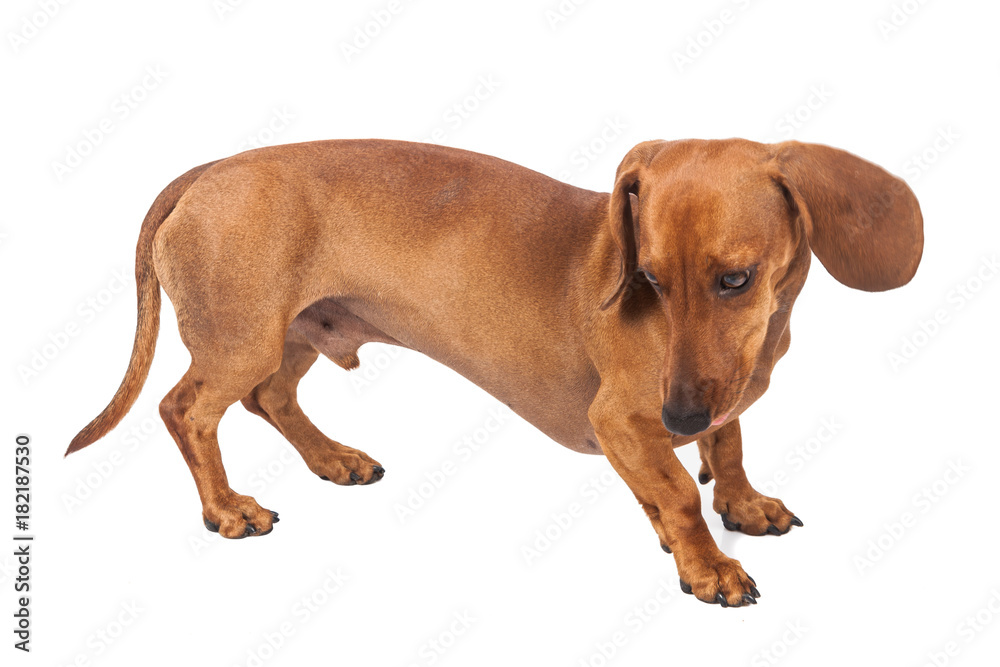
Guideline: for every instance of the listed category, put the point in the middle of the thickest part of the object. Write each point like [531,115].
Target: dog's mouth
[721,419]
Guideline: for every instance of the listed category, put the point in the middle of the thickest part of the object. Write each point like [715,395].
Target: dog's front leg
[639,448]
[742,507]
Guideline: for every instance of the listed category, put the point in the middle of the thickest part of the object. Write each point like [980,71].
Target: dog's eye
[736,280]
[651,279]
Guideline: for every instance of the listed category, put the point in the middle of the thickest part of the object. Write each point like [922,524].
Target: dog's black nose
[686,424]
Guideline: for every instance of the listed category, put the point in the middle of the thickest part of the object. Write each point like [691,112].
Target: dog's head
[721,232]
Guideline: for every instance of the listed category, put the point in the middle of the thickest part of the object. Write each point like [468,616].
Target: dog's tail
[148,325]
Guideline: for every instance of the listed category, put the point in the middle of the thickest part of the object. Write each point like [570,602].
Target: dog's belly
[337,332]
[558,407]
[475,262]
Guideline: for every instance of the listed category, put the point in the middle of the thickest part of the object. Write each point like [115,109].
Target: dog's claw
[249,530]
[773,530]
[214,527]
[355,478]
[666,548]
[274,517]
[377,473]
[720,599]
[729,525]
[796,521]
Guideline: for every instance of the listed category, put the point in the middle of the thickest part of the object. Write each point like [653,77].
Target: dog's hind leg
[218,377]
[275,400]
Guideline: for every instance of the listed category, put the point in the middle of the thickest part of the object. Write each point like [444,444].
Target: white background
[119,525]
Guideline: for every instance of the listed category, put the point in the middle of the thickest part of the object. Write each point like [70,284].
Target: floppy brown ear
[622,211]
[863,223]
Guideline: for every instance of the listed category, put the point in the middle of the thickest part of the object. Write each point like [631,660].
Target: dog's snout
[686,422]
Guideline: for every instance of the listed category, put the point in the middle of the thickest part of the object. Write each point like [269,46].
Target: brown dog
[600,319]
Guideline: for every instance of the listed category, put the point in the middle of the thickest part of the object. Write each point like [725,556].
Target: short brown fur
[598,318]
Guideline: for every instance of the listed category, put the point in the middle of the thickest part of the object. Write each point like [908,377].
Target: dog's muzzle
[686,423]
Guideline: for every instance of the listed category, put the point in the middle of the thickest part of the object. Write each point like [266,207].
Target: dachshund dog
[623,324]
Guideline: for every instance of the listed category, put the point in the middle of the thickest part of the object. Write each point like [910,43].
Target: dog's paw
[236,516]
[346,466]
[722,582]
[756,514]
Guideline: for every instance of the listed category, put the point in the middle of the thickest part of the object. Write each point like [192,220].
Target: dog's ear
[863,223]
[623,212]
